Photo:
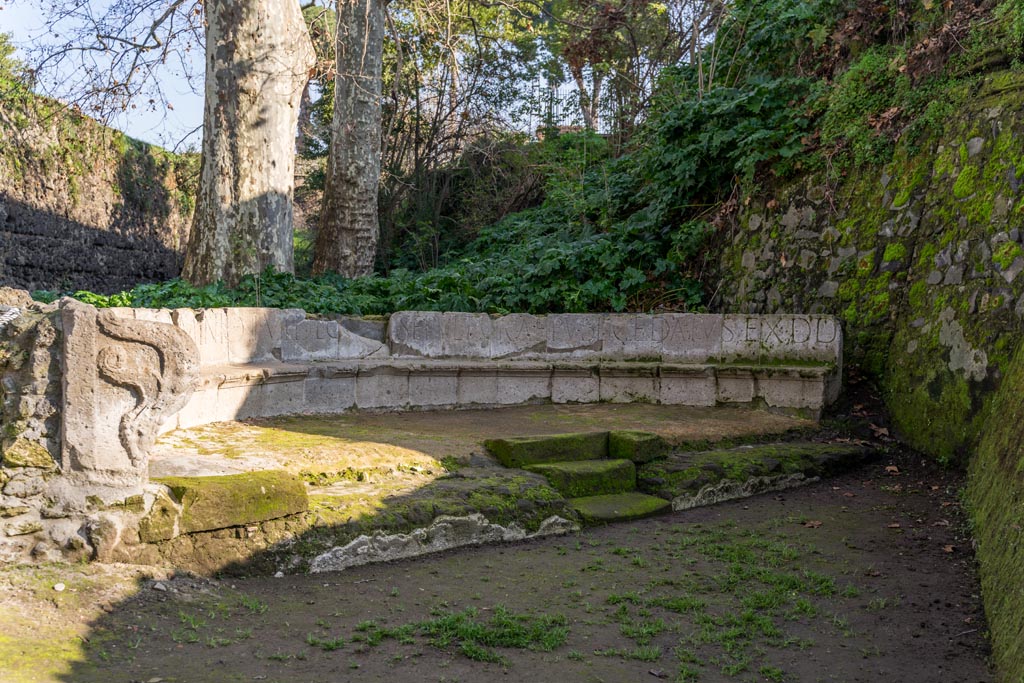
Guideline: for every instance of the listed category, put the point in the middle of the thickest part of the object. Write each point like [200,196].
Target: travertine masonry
[87,391]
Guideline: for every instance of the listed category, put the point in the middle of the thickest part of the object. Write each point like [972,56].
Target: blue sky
[165,128]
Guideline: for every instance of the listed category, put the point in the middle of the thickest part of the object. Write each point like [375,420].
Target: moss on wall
[922,257]
[995,495]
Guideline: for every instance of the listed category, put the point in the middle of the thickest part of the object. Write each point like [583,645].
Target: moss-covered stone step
[640,447]
[690,478]
[589,477]
[618,507]
[208,503]
[533,450]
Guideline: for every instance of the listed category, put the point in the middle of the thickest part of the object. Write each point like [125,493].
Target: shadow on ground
[866,577]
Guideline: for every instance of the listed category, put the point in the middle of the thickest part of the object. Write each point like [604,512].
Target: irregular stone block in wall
[674,336]
[208,328]
[576,335]
[322,340]
[782,337]
[575,384]
[466,335]
[374,329]
[519,335]
[311,340]
[256,334]
[122,378]
[416,333]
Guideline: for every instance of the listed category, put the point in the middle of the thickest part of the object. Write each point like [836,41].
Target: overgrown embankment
[915,240]
[83,206]
[995,494]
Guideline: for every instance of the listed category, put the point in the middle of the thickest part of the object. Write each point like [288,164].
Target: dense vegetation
[785,86]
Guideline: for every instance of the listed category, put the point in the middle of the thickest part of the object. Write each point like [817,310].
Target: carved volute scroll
[123,377]
[158,363]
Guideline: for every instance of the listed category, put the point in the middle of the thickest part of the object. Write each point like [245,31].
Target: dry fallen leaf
[850,494]
[812,523]
[941,522]
[879,431]
[892,469]
[948,548]
[894,525]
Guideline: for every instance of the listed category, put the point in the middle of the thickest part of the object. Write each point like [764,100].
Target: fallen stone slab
[209,503]
[692,479]
[533,450]
[589,477]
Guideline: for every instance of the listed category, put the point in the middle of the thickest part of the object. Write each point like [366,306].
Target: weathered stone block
[530,382]
[310,340]
[236,500]
[575,384]
[791,387]
[162,522]
[466,335]
[688,385]
[28,453]
[574,335]
[331,390]
[256,334]
[690,338]
[382,386]
[618,507]
[782,337]
[416,333]
[635,446]
[122,378]
[588,477]
[532,450]
[208,329]
[519,335]
[478,386]
[627,383]
[735,385]
[433,387]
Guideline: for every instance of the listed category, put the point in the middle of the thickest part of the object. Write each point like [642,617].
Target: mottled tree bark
[346,242]
[258,59]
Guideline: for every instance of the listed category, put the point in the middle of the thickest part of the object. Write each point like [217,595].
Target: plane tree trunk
[346,241]
[258,60]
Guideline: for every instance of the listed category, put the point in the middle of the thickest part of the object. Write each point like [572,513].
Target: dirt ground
[868,577]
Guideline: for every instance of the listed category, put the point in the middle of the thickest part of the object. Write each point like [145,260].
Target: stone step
[534,450]
[618,507]
[589,477]
[691,479]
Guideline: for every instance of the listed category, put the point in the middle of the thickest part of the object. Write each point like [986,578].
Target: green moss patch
[995,495]
[589,477]
[687,473]
[236,500]
[532,450]
[640,447]
[618,507]
[26,453]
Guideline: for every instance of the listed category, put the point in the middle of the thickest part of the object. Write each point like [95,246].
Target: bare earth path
[863,578]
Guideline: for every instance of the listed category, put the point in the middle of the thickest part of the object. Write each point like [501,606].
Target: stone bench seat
[129,374]
[267,389]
